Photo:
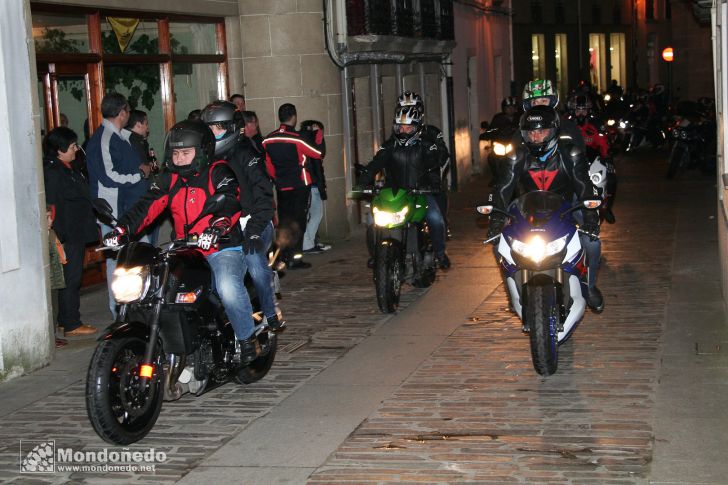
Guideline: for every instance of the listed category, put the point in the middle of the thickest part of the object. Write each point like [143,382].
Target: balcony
[416,19]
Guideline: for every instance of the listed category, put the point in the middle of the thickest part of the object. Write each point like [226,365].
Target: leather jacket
[408,165]
[565,172]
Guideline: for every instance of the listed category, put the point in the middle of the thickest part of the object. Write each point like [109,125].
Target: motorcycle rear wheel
[257,369]
[542,316]
[120,410]
[388,274]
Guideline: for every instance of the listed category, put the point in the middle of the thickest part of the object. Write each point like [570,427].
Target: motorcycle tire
[388,274]
[425,271]
[257,369]
[120,412]
[678,161]
[542,318]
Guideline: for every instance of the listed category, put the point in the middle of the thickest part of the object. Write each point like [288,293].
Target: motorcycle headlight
[610,122]
[386,218]
[676,133]
[537,249]
[684,135]
[130,284]
[623,124]
[607,97]
[500,149]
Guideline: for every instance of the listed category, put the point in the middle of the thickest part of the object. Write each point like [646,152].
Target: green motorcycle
[402,246]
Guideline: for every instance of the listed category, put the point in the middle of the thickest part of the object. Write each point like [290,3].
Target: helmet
[509,101]
[189,134]
[658,90]
[408,98]
[539,88]
[540,131]
[407,115]
[225,114]
[706,104]
[580,103]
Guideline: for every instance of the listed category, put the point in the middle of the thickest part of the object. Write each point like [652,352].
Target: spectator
[252,131]
[68,198]
[64,119]
[138,125]
[116,171]
[318,192]
[287,154]
[239,101]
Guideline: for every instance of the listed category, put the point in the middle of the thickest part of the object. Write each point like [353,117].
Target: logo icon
[37,456]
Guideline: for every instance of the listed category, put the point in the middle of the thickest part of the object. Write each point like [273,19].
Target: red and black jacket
[287,157]
[185,196]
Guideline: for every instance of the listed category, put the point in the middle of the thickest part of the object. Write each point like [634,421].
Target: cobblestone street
[473,410]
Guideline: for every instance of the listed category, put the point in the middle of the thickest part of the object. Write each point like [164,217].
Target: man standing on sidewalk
[287,161]
[310,128]
[116,172]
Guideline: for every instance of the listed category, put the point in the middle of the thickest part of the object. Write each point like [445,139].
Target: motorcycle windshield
[538,207]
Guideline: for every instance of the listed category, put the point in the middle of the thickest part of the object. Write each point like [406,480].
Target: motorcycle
[545,268]
[687,148]
[603,175]
[171,336]
[501,140]
[402,247]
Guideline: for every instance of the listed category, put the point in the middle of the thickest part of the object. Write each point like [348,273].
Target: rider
[189,179]
[412,162]
[546,162]
[541,92]
[432,134]
[256,199]
[508,117]
[594,134]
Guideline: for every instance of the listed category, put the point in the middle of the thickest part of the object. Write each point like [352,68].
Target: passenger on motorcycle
[190,178]
[412,162]
[540,92]
[546,162]
[594,133]
[256,199]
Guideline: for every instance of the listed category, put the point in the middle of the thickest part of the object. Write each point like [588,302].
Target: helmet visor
[538,136]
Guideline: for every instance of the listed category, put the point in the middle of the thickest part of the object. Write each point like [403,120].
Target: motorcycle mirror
[213,204]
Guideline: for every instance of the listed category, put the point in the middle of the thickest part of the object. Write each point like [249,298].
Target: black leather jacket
[415,164]
[566,172]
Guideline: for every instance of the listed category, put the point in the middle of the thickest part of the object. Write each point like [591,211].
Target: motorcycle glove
[497,222]
[116,238]
[209,238]
[253,243]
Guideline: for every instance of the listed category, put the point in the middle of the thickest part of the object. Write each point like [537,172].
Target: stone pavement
[444,391]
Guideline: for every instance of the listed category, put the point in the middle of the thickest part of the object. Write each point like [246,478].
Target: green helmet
[539,88]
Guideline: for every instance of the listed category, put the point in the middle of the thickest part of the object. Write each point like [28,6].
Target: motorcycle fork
[150,350]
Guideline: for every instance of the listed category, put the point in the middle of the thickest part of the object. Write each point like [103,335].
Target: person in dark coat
[68,198]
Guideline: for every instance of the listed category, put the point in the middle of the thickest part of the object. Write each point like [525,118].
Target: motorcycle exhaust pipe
[172,388]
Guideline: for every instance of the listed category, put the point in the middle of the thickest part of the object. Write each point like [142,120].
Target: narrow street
[444,390]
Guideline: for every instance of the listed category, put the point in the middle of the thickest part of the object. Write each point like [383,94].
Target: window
[618,58]
[561,61]
[141,36]
[597,62]
[538,56]
[66,34]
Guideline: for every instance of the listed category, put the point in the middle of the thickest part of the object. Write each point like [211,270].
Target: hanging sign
[124,30]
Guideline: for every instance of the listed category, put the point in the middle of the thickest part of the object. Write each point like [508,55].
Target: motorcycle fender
[126,329]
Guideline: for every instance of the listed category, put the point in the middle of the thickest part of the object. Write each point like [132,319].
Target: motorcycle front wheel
[121,409]
[542,315]
[388,276]
[679,158]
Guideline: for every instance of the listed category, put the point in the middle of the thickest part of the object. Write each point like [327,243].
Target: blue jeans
[315,214]
[111,266]
[229,273]
[437,225]
[593,250]
[261,274]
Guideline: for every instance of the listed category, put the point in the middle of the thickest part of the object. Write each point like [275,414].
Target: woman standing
[74,222]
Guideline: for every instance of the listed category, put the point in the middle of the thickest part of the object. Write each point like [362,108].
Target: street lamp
[668,55]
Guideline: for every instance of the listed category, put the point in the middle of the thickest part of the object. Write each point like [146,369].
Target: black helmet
[540,130]
[509,101]
[189,134]
[225,114]
[407,115]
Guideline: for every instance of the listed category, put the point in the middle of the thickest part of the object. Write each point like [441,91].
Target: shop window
[67,34]
[195,86]
[618,58]
[597,62]
[538,56]
[561,61]
[129,36]
[192,38]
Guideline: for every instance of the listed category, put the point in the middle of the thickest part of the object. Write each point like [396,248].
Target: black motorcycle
[171,336]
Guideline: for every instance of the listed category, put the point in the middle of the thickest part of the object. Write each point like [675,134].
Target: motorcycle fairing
[136,254]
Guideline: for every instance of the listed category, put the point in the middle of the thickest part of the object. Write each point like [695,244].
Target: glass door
[65,98]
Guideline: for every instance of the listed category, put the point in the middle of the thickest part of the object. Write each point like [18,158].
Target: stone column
[284,60]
